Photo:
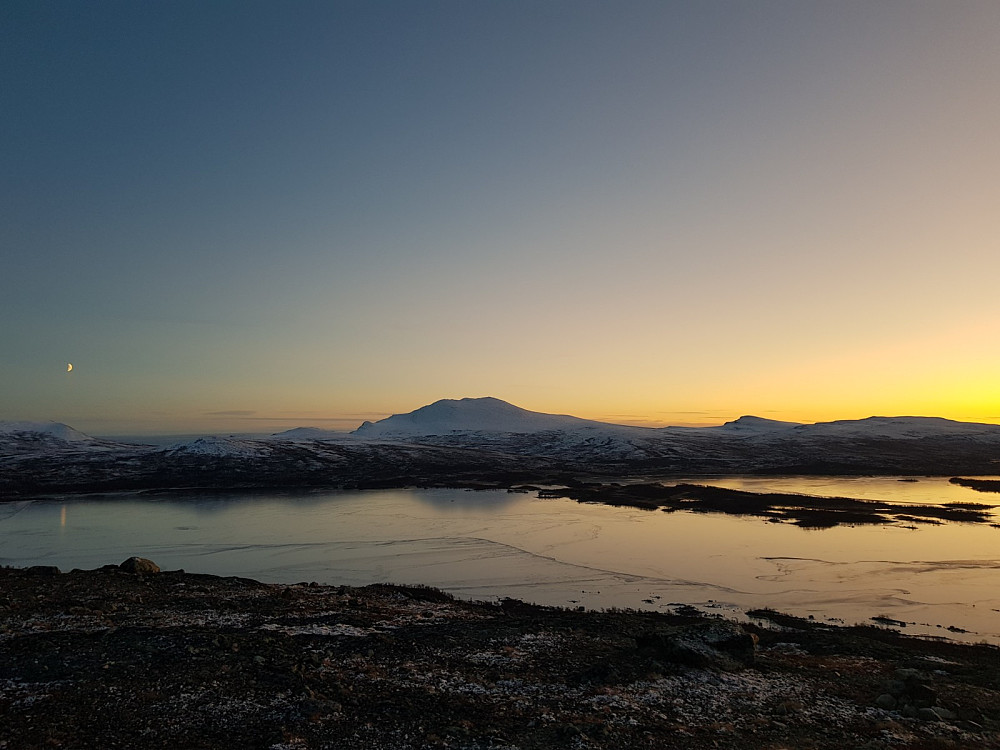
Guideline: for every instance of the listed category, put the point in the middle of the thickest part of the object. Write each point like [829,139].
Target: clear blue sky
[246,215]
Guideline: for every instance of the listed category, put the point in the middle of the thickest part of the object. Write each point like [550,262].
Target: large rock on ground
[718,643]
[139,565]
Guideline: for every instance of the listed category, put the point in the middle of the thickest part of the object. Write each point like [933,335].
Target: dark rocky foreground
[117,659]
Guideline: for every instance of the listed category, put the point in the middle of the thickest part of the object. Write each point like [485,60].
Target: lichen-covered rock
[139,565]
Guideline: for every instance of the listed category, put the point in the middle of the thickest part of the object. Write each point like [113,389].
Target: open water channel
[485,545]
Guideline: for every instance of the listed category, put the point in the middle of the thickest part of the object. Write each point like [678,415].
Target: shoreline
[804,510]
[910,605]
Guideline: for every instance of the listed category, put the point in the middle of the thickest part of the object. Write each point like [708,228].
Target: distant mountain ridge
[486,414]
[56,430]
[457,442]
[493,415]
[900,427]
[757,425]
[490,415]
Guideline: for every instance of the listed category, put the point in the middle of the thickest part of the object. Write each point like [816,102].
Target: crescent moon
[69,367]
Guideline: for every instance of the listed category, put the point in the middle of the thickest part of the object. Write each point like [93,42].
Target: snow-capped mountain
[474,417]
[27,439]
[889,428]
[872,445]
[477,440]
[54,430]
[746,444]
[750,425]
[898,428]
[485,415]
[220,446]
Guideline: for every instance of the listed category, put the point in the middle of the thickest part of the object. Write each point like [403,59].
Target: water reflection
[476,501]
[923,490]
[487,544]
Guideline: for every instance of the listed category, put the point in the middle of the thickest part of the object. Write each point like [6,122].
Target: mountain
[883,428]
[43,430]
[880,445]
[470,415]
[750,425]
[220,446]
[486,441]
[899,428]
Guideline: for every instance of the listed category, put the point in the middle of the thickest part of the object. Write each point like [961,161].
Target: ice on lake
[486,545]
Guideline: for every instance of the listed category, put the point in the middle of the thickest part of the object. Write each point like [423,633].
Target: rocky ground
[117,658]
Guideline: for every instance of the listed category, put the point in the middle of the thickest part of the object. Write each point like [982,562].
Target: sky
[248,216]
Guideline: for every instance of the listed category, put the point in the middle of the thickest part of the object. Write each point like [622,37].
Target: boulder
[944,714]
[886,701]
[718,643]
[139,565]
[928,714]
[912,695]
[923,695]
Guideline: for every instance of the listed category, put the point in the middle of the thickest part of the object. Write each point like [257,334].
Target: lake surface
[484,545]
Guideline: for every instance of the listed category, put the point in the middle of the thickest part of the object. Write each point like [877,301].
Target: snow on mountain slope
[483,420]
[220,447]
[487,414]
[56,430]
[499,428]
[897,428]
[750,425]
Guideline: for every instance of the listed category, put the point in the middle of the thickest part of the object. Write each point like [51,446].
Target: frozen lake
[484,545]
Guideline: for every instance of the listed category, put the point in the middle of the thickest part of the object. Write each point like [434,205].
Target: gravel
[111,659]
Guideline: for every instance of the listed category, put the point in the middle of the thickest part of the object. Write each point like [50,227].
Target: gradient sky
[246,216]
